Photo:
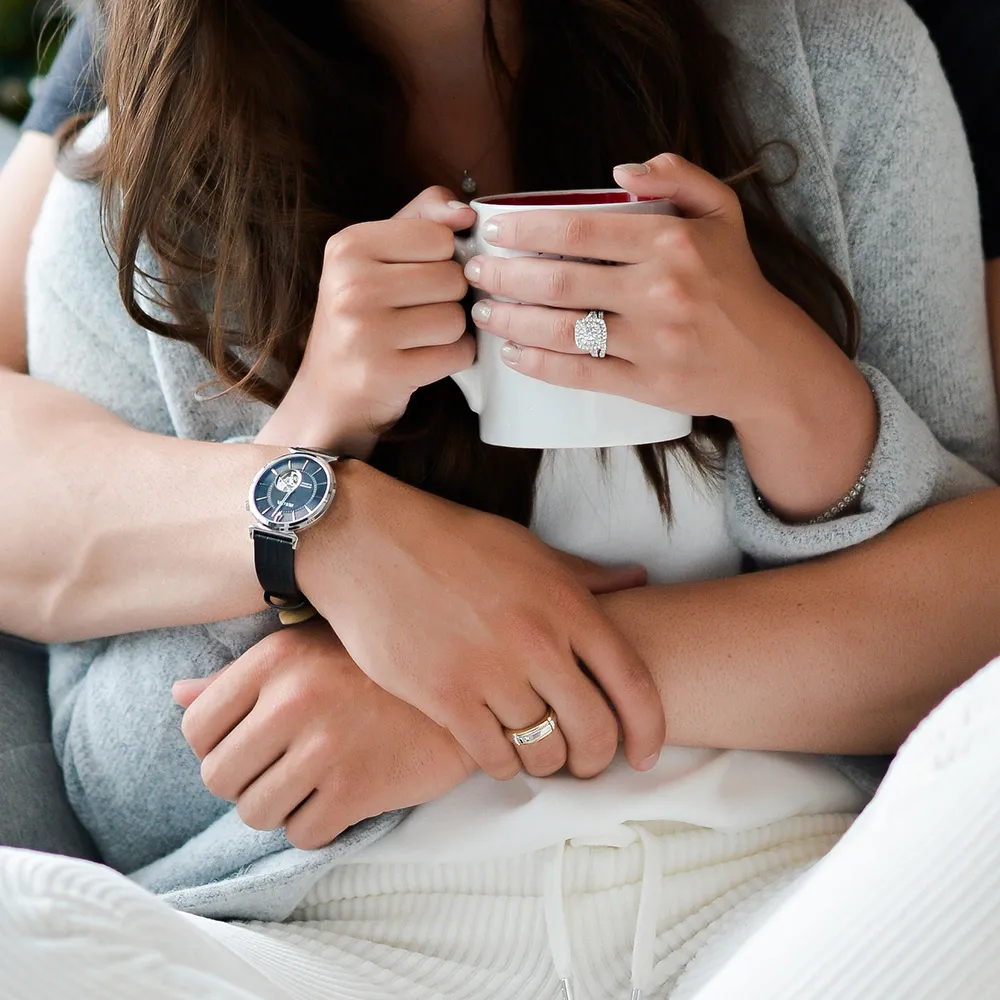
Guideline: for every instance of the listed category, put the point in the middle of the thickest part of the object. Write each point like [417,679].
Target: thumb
[438,204]
[693,190]
[600,579]
[185,692]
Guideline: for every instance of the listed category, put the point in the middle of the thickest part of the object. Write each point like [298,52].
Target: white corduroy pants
[904,906]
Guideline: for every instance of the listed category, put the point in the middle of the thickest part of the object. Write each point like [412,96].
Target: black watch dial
[291,492]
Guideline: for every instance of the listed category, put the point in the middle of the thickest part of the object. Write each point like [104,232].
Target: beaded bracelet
[851,497]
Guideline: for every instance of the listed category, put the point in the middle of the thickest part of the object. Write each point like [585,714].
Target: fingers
[522,711]
[438,204]
[576,371]
[600,579]
[693,190]
[268,802]
[560,283]
[548,329]
[396,241]
[603,236]
[316,823]
[218,710]
[242,756]
[184,692]
[481,735]
[427,326]
[586,722]
[627,682]
[403,285]
[426,365]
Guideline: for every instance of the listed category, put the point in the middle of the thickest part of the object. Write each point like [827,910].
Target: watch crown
[247,504]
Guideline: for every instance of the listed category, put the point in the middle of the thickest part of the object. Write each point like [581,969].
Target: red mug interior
[559,199]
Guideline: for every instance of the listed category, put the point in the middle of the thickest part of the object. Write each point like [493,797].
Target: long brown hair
[238,145]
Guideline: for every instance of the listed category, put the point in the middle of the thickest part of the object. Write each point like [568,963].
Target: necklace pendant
[469,185]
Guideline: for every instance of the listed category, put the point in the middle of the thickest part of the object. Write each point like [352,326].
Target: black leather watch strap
[274,560]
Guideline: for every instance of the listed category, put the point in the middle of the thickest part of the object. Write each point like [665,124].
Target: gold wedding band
[522,737]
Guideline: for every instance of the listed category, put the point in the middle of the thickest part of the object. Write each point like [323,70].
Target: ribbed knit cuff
[910,470]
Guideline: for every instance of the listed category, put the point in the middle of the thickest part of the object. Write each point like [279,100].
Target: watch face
[291,492]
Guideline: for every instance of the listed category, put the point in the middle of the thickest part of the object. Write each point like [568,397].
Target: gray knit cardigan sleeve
[915,264]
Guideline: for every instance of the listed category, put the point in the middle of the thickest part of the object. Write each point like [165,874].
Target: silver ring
[591,334]
[522,737]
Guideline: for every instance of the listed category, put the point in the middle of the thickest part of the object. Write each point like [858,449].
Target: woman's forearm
[108,530]
[845,654]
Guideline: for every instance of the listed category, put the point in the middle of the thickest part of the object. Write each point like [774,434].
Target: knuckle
[215,778]
[342,245]
[577,231]
[564,329]
[559,284]
[580,371]
[666,294]
[594,751]
[253,812]
[306,836]
[548,756]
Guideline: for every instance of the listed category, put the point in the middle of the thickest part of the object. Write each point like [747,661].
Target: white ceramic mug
[516,411]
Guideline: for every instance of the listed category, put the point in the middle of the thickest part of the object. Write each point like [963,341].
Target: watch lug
[288,537]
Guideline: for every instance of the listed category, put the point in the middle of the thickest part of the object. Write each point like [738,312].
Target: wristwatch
[287,496]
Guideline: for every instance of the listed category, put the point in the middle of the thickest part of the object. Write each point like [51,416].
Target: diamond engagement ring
[522,737]
[591,334]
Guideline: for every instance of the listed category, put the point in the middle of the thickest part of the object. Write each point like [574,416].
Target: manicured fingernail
[474,269]
[491,230]
[635,169]
[649,763]
[482,311]
[511,354]
[457,206]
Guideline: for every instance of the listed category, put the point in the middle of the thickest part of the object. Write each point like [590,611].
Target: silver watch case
[290,529]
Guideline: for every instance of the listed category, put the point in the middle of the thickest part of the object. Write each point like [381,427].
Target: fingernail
[491,231]
[635,169]
[649,763]
[474,269]
[180,687]
[458,205]
[482,311]
[511,354]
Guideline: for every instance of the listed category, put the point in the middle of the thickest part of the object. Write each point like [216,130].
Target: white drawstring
[555,919]
[644,942]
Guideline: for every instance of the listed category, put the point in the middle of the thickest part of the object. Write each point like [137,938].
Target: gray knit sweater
[884,191]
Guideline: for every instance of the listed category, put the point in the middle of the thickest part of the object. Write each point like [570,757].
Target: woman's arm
[914,236]
[845,654]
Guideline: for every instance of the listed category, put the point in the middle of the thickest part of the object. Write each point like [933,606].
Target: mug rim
[510,200]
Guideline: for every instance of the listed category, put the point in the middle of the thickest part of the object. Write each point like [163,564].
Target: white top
[608,513]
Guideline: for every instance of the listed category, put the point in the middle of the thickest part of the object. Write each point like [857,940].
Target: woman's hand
[693,326]
[474,621]
[388,321]
[298,737]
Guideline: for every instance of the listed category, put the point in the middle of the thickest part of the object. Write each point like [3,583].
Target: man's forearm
[841,655]
[108,530]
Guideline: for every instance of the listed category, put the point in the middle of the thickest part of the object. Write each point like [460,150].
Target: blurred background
[30,32]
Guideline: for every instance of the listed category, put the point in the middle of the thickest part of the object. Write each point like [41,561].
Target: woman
[796,491]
